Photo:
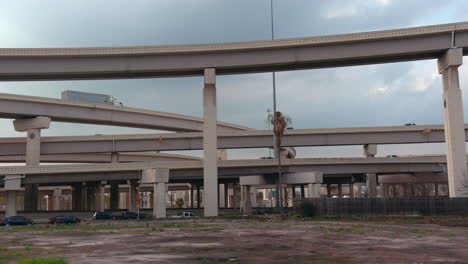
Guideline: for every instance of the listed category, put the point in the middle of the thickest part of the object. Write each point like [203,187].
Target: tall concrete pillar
[246,202]
[77,197]
[132,195]
[226,195]
[114,195]
[101,194]
[370,150]
[198,196]
[191,196]
[159,210]
[33,128]
[454,124]
[12,185]
[57,194]
[210,166]
[313,190]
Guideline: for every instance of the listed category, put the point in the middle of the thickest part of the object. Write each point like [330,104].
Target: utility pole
[279,199]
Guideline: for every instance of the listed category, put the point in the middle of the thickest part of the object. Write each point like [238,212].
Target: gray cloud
[374,95]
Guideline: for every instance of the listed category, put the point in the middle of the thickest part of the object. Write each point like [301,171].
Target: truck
[88,97]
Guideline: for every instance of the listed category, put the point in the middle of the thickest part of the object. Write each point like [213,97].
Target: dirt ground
[238,240]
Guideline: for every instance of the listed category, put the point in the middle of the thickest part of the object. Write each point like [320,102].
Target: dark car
[64,220]
[16,220]
[102,215]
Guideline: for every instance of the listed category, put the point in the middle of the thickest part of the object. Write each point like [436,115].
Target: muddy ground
[254,240]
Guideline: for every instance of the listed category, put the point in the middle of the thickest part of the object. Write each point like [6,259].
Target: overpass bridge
[228,140]
[20,106]
[448,43]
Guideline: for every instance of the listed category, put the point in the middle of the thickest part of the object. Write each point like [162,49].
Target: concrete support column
[159,177]
[198,196]
[226,195]
[77,197]
[114,195]
[246,202]
[159,210]
[101,193]
[191,196]
[11,204]
[313,190]
[33,128]
[370,150]
[132,195]
[210,166]
[454,124]
[57,194]
[12,185]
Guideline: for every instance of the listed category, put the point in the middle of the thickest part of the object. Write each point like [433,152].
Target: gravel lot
[238,240]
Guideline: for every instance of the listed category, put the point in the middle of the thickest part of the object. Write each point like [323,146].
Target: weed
[43,261]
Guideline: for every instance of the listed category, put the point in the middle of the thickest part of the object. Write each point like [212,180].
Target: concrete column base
[11,204]
[159,210]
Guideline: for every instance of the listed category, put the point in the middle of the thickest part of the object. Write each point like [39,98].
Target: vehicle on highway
[131,215]
[16,220]
[64,220]
[102,215]
[183,214]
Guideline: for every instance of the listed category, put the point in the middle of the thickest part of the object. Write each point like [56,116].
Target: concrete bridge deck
[229,140]
[428,42]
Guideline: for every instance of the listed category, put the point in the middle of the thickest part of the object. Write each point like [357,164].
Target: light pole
[276,149]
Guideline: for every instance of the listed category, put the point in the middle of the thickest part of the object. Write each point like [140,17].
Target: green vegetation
[308,209]
[43,261]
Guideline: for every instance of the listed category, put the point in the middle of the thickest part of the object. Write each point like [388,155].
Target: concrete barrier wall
[388,206]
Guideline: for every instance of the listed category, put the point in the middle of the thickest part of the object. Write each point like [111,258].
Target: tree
[179,202]
[279,122]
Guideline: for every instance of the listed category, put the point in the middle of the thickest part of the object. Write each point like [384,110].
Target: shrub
[308,209]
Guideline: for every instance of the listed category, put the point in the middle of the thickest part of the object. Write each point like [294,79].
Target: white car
[183,214]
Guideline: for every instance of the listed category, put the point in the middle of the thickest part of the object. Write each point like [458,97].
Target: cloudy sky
[374,95]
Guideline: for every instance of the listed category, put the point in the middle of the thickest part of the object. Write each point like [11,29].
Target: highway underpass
[447,43]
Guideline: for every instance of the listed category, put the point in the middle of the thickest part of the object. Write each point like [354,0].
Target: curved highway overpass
[21,106]
[428,42]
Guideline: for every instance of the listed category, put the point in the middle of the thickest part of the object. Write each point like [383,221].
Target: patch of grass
[160,229]
[199,225]
[43,261]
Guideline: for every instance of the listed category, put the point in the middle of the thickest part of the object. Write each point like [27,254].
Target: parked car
[131,215]
[64,220]
[102,215]
[183,214]
[16,220]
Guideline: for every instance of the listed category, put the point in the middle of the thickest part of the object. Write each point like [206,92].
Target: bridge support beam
[12,185]
[210,166]
[159,177]
[453,122]
[33,128]
[370,151]
[132,195]
[246,201]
